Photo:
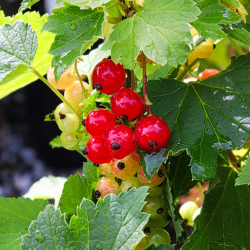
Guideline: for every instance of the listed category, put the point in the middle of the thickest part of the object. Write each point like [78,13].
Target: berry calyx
[119,141]
[126,104]
[152,133]
[105,186]
[108,77]
[96,151]
[208,72]
[99,121]
[124,168]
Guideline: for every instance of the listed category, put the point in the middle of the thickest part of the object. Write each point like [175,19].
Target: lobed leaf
[160,30]
[26,4]
[15,217]
[75,31]
[205,117]
[225,217]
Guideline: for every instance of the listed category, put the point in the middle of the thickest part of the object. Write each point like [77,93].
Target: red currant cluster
[109,139]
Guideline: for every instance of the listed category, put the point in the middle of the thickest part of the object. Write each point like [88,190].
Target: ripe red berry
[108,77]
[126,104]
[99,121]
[208,72]
[96,151]
[152,133]
[120,141]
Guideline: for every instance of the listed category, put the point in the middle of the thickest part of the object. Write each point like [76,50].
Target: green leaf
[160,30]
[18,44]
[161,72]
[26,4]
[116,222]
[86,66]
[179,226]
[207,116]
[97,3]
[224,219]
[212,16]
[161,247]
[15,217]
[75,189]
[75,31]
[79,3]
[151,162]
[49,231]
[244,176]
[21,76]
[180,174]
[56,142]
[240,32]
[47,188]
[234,3]
[91,173]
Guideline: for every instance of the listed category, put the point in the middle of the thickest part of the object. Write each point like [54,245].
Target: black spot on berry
[121,165]
[159,210]
[214,46]
[97,194]
[96,165]
[85,151]
[62,116]
[115,146]
[98,86]
[160,173]
[51,116]
[147,230]
[84,122]
[123,118]
[152,144]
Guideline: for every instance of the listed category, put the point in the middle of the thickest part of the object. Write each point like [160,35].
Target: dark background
[25,153]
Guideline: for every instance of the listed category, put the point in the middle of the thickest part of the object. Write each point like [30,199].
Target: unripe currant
[105,186]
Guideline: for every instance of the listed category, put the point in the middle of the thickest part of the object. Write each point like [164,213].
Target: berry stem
[133,82]
[145,81]
[233,161]
[56,92]
[80,80]
[184,72]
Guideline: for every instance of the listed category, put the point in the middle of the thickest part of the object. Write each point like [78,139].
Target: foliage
[207,118]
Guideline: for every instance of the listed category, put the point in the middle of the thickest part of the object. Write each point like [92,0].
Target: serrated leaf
[18,44]
[113,223]
[207,116]
[240,32]
[180,174]
[96,3]
[26,4]
[179,226]
[151,162]
[75,30]
[244,176]
[56,142]
[49,231]
[15,217]
[47,188]
[80,3]
[160,30]
[91,172]
[21,77]
[88,62]
[213,14]
[225,217]
[75,189]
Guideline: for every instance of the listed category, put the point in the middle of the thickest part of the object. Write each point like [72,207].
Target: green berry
[70,141]
[187,211]
[156,207]
[130,183]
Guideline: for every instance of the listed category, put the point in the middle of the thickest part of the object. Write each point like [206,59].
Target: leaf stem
[90,83]
[232,159]
[184,72]
[145,81]
[80,80]
[201,187]
[56,92]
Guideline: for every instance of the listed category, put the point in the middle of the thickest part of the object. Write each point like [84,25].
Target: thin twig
[184,72]
[145,81]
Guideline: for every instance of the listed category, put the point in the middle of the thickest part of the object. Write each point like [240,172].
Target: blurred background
[25,153]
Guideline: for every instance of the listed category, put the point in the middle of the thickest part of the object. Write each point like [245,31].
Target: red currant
[152,133]
[124,168]
[96,151]
[126,104]
[120,141]
[108,77]
[105,186]
[99,121]
[156,180]
[208,72]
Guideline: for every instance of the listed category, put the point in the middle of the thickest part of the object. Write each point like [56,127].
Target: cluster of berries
[109,139]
